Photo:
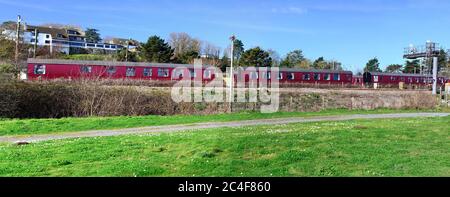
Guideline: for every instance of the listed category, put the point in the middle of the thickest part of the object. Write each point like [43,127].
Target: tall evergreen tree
[394,68]
[373,66]
[238,49]
[256,57]
[319,63]
[412,67]
[157,50]
[92,35]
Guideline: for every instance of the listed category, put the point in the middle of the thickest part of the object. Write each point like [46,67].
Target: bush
[8,69]
[53,99]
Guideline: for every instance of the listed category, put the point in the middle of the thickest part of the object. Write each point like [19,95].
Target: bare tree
[183,43]
[210,50]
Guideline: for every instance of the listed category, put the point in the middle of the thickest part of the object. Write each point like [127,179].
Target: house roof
[52,31]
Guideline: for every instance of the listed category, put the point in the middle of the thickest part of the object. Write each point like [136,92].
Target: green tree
[373,66]
[319,63]
[412,67]
[187,57]
[238,49]
[92,35]
[123,56]
[293,59]
[224,62]
[443,57]
[157,50]
[394,68]
[256,57]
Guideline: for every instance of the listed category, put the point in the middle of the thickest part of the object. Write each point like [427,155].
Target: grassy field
[44,126]
[400,147]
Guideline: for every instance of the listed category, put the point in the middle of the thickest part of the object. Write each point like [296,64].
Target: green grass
[45,126]
[397,147]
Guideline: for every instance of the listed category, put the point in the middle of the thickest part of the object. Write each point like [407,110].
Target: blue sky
[351,31]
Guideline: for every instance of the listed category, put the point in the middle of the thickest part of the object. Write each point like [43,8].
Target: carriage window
[291,76]
[39,69]
[178,73]
[147,72]
[336,77]
[410,79]
[280,76]
[111,70]
[207,74]
[307,77]
[131,72]
[253,75]
[86,69]
[163,72]
[327,77]
[316,77]
[192,73]
[265,75]
[375,79]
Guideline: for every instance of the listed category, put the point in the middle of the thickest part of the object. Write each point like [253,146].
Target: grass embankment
[45,126]
[398,147]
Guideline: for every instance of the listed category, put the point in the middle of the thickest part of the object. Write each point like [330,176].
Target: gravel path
[209,125]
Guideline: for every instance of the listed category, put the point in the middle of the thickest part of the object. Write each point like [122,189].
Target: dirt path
[209,125]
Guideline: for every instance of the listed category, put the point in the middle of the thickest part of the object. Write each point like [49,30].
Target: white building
[60,39]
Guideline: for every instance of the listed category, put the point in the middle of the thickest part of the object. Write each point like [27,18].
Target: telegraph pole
[232,38]
[126,52]
[435,74]
[16,55]
[35,42]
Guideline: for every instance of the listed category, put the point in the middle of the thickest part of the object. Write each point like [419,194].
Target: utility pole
[232,38]
[126,52]
[16,56]
[435,74]
[35,42]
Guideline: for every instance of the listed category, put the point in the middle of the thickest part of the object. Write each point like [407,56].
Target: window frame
[166,72]
[127,72]
[85,69]
[316,77]
[147,72]
[306,77]
[336,77]
[43,66]
[290,76]
[207,74]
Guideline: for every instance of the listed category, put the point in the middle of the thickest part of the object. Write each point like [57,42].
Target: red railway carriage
[292,75]
[396,78]
[358,80]
[70,69]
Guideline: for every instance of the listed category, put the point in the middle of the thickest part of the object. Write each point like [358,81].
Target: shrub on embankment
[80,99]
